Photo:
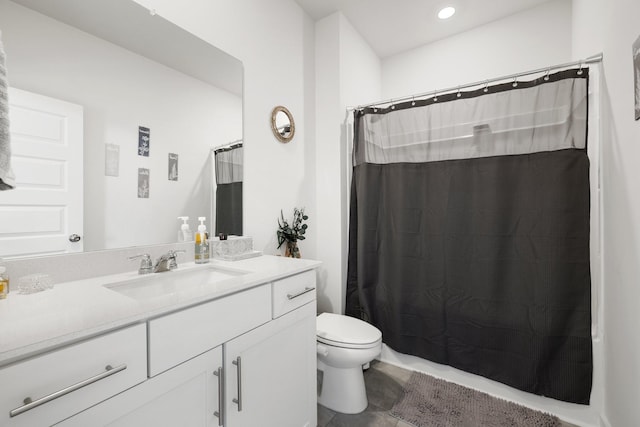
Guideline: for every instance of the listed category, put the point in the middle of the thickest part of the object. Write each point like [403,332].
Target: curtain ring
[486,86]
[435,96]
[393,107]
[375,110]
[546,76]
[515,82]
[413,100]
[580,69]
[458,94]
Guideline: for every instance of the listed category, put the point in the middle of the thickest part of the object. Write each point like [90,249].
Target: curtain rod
[586,61]
[227,145]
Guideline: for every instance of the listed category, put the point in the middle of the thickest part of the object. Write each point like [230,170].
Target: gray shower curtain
[469,232]
[229,171]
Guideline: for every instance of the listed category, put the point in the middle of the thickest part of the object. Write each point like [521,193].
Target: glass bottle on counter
[202,243]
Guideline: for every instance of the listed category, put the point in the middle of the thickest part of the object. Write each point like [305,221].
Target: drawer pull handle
[296,295]
[218,413]
[238,401]
[30,404]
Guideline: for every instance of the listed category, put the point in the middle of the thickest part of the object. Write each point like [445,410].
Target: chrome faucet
[145,263]
[173,255]
[167,262]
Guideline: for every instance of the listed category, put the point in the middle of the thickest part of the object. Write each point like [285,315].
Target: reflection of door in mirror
[45,209]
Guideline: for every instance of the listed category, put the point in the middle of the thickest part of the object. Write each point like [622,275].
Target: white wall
[612,29]
[185,116]
[532,39]
[327,161]
[271,38]
[347,71]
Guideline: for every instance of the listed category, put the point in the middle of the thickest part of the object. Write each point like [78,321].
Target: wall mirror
[282,124]
[155,102]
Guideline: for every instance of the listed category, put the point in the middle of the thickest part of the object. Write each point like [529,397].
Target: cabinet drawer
[65,381]
[180,336]
[292,292]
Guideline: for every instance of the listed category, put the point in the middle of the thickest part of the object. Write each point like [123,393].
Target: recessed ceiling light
[446,12]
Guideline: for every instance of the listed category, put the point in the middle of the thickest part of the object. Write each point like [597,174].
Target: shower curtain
[469,231]
[228,170]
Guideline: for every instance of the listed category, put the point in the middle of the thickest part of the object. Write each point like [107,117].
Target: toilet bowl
[344,344]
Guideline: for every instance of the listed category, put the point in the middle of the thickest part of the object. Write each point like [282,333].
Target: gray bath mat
[430,402]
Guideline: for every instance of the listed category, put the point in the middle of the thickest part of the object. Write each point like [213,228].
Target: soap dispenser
[202,243]
[184,234]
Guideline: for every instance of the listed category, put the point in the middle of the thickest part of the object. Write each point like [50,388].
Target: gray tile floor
[384,384]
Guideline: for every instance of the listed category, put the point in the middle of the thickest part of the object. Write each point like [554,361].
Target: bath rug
[431,402]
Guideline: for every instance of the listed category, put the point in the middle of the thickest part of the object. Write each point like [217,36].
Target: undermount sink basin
[156,285]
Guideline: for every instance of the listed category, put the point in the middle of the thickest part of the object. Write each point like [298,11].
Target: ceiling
[394,26]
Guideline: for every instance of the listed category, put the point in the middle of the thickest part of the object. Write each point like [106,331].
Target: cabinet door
[186,395]
[271,373]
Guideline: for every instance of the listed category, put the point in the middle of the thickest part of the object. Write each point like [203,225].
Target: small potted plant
[290,234]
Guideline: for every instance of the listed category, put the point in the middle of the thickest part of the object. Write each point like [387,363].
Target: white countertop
[72,311]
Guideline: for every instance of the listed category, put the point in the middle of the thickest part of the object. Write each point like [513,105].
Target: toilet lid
[335,329]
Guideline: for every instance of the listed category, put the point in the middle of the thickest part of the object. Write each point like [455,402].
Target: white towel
[7,178]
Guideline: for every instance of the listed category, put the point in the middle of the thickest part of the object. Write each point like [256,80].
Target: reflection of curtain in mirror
[228,170]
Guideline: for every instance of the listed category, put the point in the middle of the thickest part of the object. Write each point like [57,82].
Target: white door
[45,209]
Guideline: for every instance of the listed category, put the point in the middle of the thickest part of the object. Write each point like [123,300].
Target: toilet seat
[346,332]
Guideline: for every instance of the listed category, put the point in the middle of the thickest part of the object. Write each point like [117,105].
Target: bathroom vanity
[235,349]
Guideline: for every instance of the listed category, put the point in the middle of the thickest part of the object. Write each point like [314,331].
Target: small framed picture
[173,167]
[636,75]
[143,183]
[144,141]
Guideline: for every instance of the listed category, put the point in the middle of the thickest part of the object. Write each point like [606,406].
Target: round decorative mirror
[282,124]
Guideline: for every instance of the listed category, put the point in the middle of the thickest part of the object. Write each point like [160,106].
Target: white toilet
[344,344]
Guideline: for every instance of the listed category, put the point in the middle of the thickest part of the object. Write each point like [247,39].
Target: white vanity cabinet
[244,360]
[51,387]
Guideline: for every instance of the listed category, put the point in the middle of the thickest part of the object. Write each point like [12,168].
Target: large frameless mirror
[146,103]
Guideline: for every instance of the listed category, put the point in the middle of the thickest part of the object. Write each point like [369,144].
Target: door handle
[302,292]
[74,238]
[219,412]
[30,404]
[238,401]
